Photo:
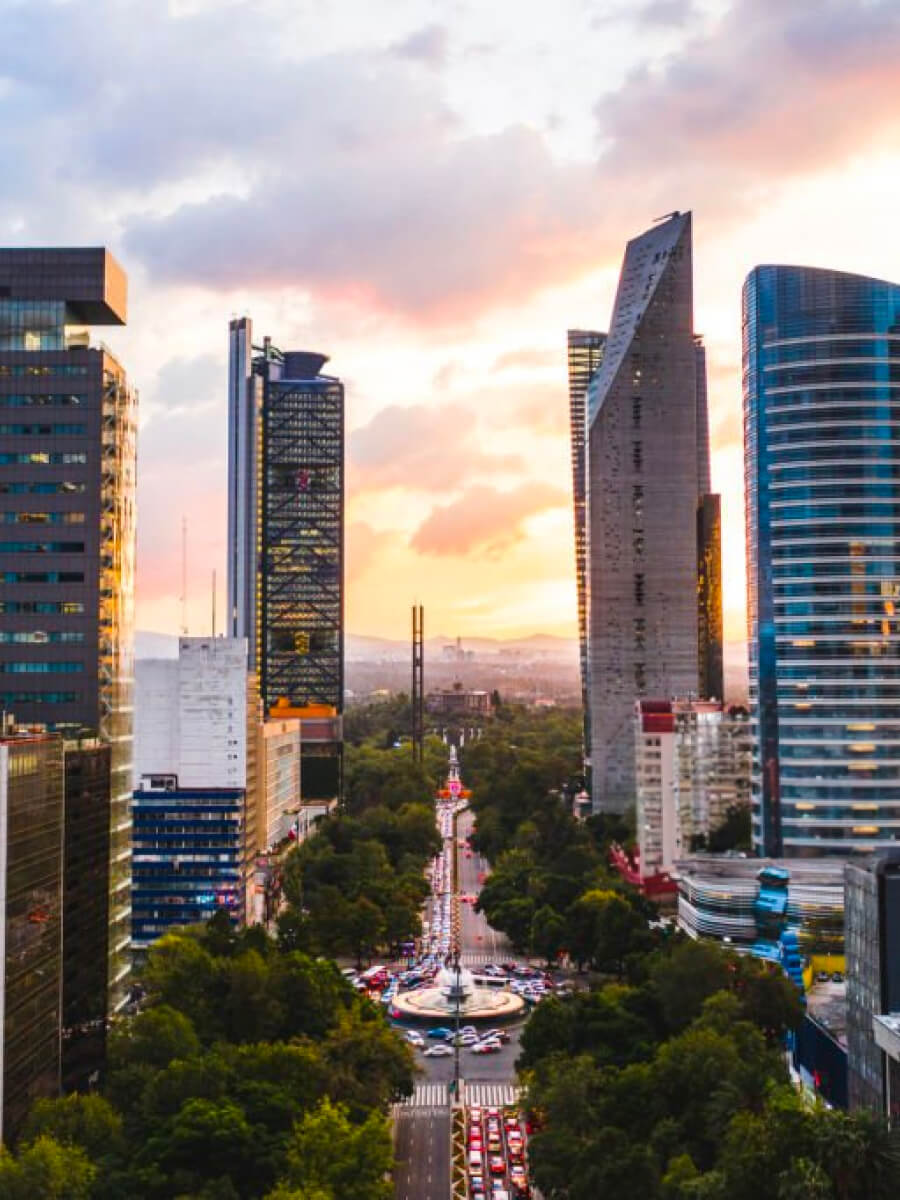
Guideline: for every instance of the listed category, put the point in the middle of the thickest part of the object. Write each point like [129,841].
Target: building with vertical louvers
[647,472]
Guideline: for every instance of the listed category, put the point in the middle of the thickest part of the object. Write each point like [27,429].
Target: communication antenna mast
[214,604]
[184,625]
[418,682]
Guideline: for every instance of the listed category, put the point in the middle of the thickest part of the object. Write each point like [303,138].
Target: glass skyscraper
[648,534]
[585,353]
[286,536]
[821,363]
[67,510]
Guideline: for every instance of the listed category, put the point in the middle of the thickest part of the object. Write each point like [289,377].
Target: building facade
[585,353]
[86,922]
[647,463]
[31,923]
[872,946]
[278,790]
[188,855]
[821,444]
[286,500]
[692,765]
[67,506]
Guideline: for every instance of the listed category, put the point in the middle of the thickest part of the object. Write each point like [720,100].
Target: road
[422,1150]
[423,1123]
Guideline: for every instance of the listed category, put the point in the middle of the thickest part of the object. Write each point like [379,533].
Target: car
[497,1164]
[439,1051]
[837,977]
[414,1039]
[440,1031]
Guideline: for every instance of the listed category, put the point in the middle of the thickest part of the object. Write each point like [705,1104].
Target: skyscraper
[31,851]
[647,468]
[821,453]
[585,353]
[67,483]
[286,535]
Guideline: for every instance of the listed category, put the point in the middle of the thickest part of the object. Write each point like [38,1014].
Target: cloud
[484,519]
[666,13]
[528,357]
[422,448]
[772,91]
[365,546]
[428,45]
[190,382]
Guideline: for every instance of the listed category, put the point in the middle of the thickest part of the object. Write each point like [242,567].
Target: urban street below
[422,1141]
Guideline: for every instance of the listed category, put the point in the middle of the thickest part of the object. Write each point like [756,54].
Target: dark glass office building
[822,476]
[647,480]
[188,856]
[67,513]
[31,867]
[85,912]
[585,353]
[286,534]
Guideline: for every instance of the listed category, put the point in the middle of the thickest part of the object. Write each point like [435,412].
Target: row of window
[56,430]
[67,607]
[60,487]
[40,637]
[29,370]
[41,400]
[42,518]
[42,577]
[40,668]
[43,458]
[41,547]
[8,699]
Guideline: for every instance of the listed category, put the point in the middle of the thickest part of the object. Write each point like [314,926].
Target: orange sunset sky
[432,194]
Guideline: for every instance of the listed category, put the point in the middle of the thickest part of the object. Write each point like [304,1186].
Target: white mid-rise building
[692,764]
[191,713]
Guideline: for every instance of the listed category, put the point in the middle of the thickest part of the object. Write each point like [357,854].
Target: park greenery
[253,1071]
[357,885]
[673,1086]
[666,1079]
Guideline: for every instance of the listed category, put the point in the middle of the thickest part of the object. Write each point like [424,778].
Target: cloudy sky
[432,194]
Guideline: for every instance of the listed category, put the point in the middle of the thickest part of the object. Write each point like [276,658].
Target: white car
[438,1051]
[414,1039]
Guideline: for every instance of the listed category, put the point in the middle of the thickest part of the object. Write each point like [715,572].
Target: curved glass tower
[821,362]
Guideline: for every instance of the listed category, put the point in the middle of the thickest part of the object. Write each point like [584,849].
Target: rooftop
[87,279]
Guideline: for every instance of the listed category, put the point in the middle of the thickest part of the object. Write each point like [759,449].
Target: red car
[498,1166]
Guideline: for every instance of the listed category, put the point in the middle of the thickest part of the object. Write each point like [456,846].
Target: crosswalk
[490,1095]
[475,960]
[426,1095]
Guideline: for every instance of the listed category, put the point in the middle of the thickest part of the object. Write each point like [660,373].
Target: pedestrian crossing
[426,1095]
[476,960]
[490,1095]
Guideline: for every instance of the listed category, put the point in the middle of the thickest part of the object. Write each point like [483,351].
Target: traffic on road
[496,1156]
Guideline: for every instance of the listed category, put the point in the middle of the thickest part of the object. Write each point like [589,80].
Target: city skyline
[447,307]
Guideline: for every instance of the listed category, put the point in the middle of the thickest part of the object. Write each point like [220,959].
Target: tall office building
[647,468]
[822,443]
[585,353]
[31,853]
[286,535]
[67,484]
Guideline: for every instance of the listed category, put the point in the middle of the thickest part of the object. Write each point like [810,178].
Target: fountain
[455,986]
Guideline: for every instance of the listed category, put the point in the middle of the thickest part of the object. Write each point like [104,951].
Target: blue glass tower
[821,361]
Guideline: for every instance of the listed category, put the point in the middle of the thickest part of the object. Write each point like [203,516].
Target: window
[639,587]
[637,456]
[636,412]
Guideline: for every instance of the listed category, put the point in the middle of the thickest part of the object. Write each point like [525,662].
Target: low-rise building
[872,923]
[188,856]
[692,766]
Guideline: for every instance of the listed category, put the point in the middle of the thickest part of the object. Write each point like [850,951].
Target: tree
[604,929]
[205,1141]
[548,931]
[46,1170]
[685,976]
[89,1122]
[329,1155]
[364,926]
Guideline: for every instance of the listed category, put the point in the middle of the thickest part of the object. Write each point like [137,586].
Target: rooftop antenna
[214,604]
[666,216]
[184,625]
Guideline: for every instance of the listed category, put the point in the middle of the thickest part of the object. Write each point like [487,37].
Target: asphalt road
[423,1134]
[422,1149]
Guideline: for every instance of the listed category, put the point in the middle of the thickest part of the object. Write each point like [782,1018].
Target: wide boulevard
[423,1121]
